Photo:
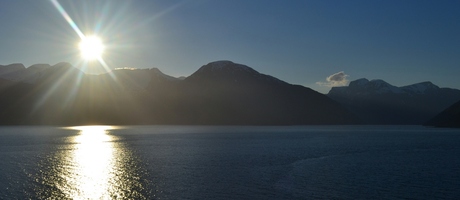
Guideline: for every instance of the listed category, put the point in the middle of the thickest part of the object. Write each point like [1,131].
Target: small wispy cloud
[335,80]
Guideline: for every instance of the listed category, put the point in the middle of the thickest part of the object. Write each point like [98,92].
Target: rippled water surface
[218,162]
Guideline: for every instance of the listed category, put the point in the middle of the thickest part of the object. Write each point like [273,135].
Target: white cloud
[335,80]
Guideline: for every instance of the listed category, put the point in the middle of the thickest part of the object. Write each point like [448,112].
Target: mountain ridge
[378,86]
[219,93]
[378,102]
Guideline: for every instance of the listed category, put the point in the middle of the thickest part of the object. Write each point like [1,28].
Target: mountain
[219,93]
[237,94]
[17,72]
[450,117]
[378,102]
[226,93]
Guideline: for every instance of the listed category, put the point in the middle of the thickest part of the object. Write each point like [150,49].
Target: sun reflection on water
[92,162]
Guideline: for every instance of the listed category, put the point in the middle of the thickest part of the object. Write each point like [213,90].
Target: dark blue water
[206,162]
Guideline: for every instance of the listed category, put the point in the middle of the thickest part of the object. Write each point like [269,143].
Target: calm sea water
[213,162]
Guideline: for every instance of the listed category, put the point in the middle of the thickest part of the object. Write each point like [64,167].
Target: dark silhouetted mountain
[378,102]
[227,93]
[219,93]
[11,68]
[450,117]
[17,72]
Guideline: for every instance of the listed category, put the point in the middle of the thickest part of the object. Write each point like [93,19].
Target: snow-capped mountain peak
[364,86]
[380,87]
[420,88]
[359,83]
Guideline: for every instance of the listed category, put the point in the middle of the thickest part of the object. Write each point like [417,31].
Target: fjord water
[220,162]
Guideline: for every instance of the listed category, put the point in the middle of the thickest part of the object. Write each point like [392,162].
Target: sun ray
[54,87]
[82,36]
[106,67]
[67,18]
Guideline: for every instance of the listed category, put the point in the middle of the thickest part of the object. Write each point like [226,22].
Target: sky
[317,44]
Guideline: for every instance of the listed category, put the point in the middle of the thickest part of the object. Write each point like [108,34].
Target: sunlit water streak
[94,167]
[93,173]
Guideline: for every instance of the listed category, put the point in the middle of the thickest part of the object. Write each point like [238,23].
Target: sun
[91,48]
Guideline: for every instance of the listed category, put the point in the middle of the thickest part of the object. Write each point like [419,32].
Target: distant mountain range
[378,102]
[219,93]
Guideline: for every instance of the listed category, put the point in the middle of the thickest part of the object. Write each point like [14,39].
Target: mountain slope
[236,94]
[219,93]
[450,117]
[17,72]
[378,102]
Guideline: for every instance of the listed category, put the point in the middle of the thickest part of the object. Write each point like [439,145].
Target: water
[212,162]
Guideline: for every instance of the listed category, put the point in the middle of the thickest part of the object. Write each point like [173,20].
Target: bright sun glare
[91,48]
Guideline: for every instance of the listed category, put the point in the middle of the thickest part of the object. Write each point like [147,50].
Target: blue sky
[301,42]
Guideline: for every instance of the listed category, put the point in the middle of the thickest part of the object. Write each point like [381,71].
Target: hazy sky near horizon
[301,42]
